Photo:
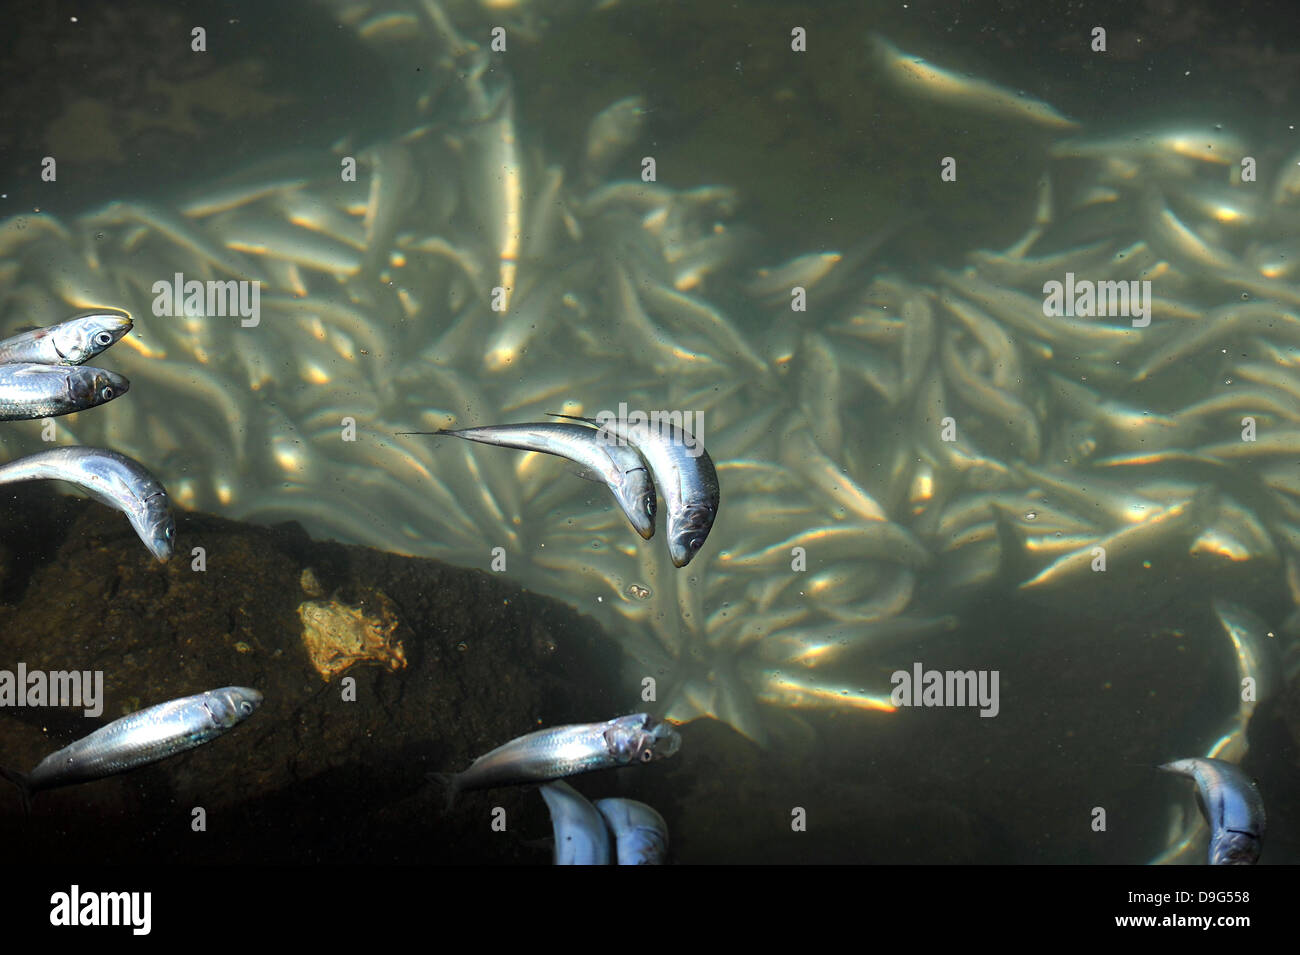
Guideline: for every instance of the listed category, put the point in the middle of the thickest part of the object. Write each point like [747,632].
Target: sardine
[29,390]
[925,80]
[72,342]
[640,833]
[1231,804]
[566,751]
[684,474]
[110,478]
[143,737]
[580,835]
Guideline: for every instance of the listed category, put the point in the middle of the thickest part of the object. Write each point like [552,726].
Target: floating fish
[143,737]
[566,751]
[618,466]
[72,342]
[580,835]
[640,833]
[1231,804]
[110,478]
[683,472]
[29,390]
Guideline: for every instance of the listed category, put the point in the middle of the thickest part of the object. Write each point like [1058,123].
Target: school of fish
[908,426]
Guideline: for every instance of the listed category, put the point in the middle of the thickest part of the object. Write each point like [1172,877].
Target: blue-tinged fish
[143,737]
[619,466]
[566,751]
[1231,804]
[29,390]
[110,478]
[580,836]
[77,340]
[640,833]
[683,472]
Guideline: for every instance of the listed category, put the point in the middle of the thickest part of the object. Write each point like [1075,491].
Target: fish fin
[588,475]
[572,417]
[449,784]
[24,788]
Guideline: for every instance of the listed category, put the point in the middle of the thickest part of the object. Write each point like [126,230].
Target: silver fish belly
[640,833]
[580,836]
[72,342]
[1232,806]
[111,478]
[686,478]
[145,736]
[568,750]
[29,390]
[620,467]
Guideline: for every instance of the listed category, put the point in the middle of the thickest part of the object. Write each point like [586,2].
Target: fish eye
[106,393]
[245,707]
[647,755]
[103,339]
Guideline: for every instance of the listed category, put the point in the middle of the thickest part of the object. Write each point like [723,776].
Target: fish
[1231,804]
[619,466]
[29,390]
[614,129]
[640,833]
[561,751]
[927,81]
[77,340]
[110,478]
[140,738]
[687,481]
[580,834]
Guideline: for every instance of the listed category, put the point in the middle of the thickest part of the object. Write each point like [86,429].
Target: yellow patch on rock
[337,636]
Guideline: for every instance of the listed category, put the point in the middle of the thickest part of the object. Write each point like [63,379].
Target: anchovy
[145,736]
[29,390]
[580,836]
[72,342]
[686,479]
[619,466]
[110,478]
[640,833]
[1231,804]
[566,751]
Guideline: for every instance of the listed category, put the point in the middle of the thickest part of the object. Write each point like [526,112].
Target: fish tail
[450,785]
[24,787]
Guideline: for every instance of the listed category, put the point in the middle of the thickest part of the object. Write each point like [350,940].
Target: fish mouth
[667,741]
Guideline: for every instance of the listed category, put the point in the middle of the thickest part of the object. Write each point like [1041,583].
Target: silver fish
[619,466]
[568,750]
[143,737]
[1232,806]
[928,81]
[686,479]
[110,478]
[580,836]
[72,342]
[640,833]
[30,390]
